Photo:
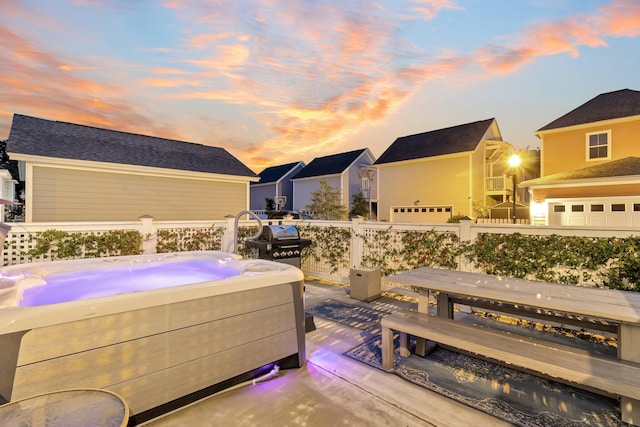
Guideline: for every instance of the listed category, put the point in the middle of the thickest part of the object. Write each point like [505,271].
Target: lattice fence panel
[190,239]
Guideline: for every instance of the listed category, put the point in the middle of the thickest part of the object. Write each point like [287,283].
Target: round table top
[76,407]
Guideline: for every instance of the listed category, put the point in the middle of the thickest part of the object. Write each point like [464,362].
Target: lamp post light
[514,162]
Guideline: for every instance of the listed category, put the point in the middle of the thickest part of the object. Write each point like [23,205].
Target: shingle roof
[456,139]
[606,106]
[40,137]
[329,165]
[627,166]
[274,173]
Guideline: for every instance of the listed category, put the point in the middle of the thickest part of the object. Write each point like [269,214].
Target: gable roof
[48,138]
[275,173]
[329,165]
[628,166]
[606,106]
[456,139]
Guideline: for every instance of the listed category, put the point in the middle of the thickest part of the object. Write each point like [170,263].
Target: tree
[325,203]
[360,206]
[4,157]
[271,204]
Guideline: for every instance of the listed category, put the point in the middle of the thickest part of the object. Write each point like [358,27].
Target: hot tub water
[113,280]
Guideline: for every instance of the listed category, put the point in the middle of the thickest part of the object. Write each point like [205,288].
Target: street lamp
[514,162]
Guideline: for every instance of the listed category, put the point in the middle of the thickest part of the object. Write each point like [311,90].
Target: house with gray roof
[73,172]
[351,172]
[590,173]
[275,183]
[434,175]
[10,207]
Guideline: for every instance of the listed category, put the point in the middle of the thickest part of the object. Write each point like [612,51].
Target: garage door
[436,214]
[614,212]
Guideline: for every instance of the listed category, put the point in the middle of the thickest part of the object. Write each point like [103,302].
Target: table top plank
[606,304]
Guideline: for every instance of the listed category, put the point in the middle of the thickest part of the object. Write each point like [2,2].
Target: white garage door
[610,212]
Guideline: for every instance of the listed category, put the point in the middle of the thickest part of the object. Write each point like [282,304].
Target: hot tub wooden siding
[151,356]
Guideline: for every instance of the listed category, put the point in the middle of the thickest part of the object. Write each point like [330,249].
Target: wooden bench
[605,375]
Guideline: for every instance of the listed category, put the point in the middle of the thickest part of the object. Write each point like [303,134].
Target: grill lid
[280,232]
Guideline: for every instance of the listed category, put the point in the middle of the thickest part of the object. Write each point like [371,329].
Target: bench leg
[404,344]
[629,349]
[444,306]
[387,349]
[630,411]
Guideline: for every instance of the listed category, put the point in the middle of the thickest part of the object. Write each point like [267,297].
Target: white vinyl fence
[340,245]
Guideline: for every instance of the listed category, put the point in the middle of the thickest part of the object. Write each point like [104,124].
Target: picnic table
[614,310]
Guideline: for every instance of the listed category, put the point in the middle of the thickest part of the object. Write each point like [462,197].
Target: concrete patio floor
[330,390]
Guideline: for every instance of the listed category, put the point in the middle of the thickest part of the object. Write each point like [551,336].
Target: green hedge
[56,244]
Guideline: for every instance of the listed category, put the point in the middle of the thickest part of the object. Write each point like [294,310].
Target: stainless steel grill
[279,243]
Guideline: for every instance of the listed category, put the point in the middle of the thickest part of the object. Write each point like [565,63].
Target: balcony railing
[499,184]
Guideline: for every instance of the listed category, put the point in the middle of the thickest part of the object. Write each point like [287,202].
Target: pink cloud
[307,74]
[429,9]
[168,82]
[618,19]
[35,82]
[204,40]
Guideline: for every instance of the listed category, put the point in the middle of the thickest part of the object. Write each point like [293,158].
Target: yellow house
[590,166]
[432,176]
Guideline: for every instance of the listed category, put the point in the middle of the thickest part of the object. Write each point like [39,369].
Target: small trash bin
[364,283]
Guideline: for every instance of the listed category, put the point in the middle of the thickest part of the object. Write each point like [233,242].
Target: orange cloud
[428,9]
[204,40]
[37,83]
[300,77]
[618,19]
[162,70]
[168,82]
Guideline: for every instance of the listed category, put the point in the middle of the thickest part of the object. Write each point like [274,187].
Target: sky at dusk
[281,81]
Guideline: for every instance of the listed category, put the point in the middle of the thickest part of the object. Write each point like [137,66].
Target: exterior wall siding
[303,188]
[61,194]
[565,150]
[286,189]
[432,182]
[259,194]
[478,178]
[354,180]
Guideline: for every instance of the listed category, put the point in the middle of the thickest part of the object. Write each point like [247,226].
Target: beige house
[80,173]
[590,165]
[432,176]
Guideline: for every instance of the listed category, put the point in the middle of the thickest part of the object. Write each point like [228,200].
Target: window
[365,184]
[617,207]
[395,210]
[577,208]
[424,209]
[599,145]
[558,208]
[597,208]
[636,207]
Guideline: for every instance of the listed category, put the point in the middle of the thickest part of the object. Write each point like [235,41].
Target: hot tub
[150,328]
